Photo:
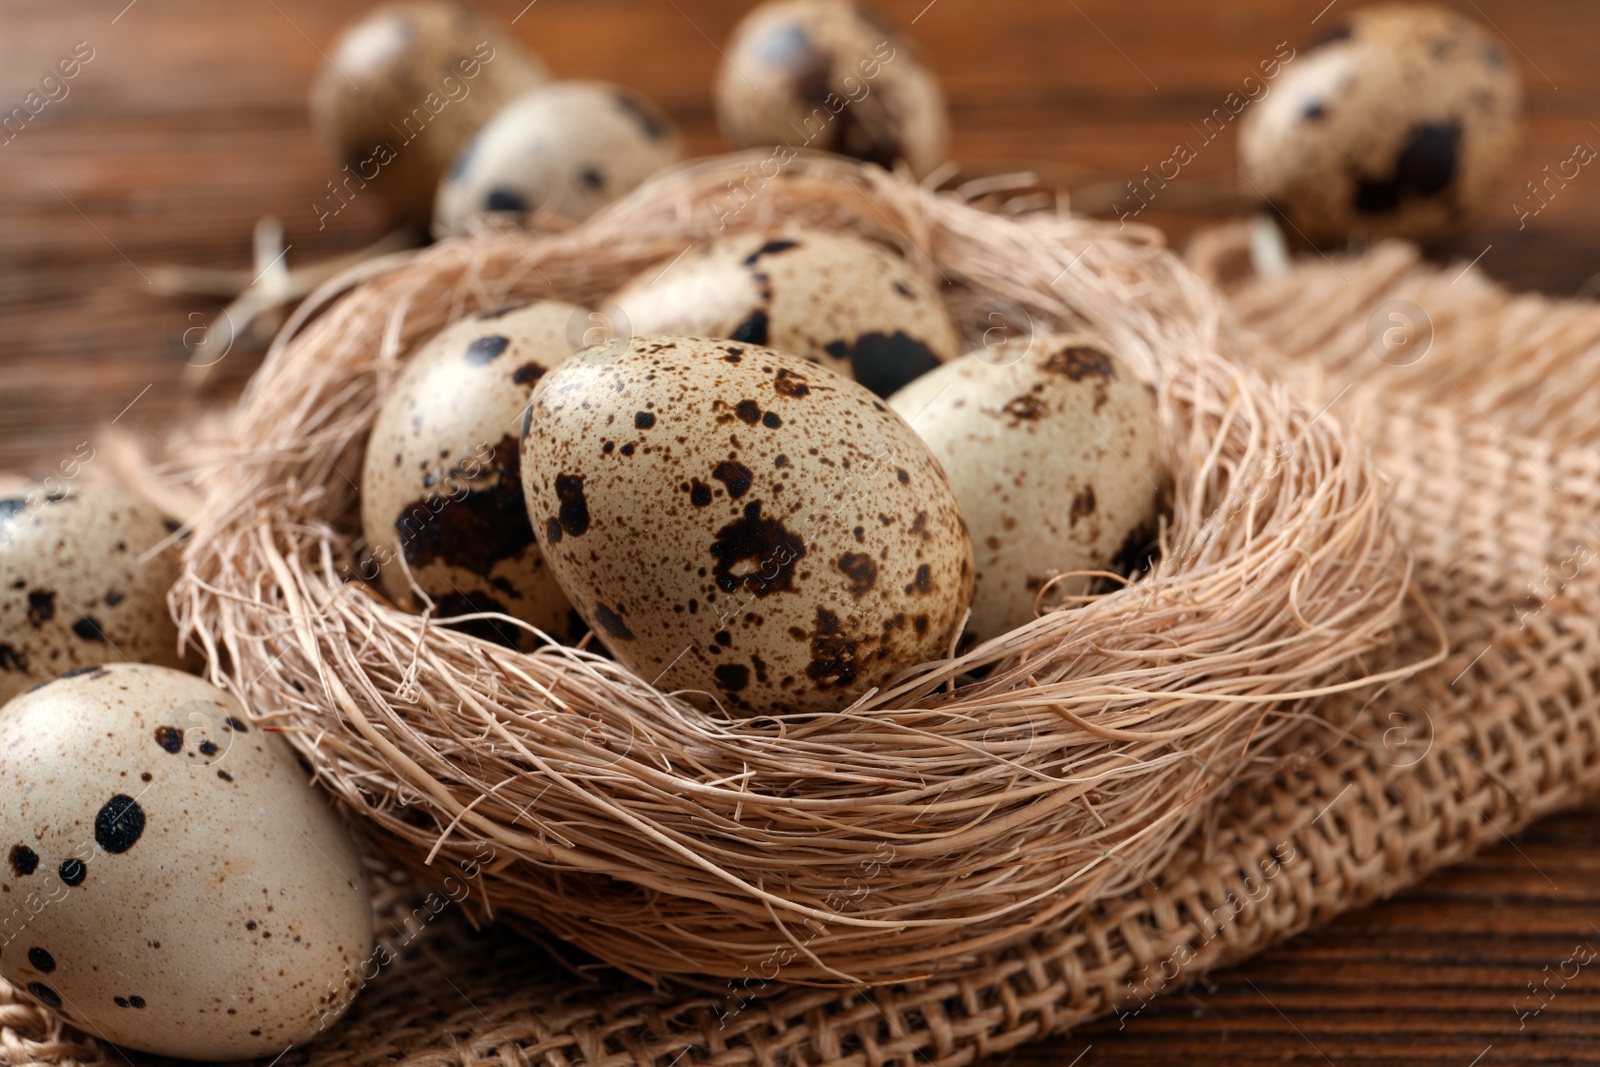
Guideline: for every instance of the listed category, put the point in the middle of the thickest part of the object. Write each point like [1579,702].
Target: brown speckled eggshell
[1401,121]
[743,523]
[417,77]
[182,888]
[75,586]
[1054,459]
[441,488]
[846,302]
[568,148]
[831,76]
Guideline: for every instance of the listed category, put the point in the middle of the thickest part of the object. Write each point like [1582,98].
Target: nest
[966,804]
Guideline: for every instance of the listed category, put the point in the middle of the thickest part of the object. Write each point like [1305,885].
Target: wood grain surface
[189,124]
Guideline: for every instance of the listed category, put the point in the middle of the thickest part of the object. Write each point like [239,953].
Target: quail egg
[403,89]
[832,76]
[846,302]
[175,883]
[80,583]
[441,492]
[1055,459]
[569,149]
[1401,121]
[743,524]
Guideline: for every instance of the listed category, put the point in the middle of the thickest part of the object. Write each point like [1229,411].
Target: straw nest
[933,821]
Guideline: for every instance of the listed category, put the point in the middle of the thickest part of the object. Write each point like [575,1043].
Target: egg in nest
[741,523]
[441,489]
[846,302]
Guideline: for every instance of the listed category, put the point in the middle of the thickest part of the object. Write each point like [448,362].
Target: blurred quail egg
[441,492]
[176,885]
[76,586]
[1401,122]
[742,523]
[568,149]
[832,76]
[1055,461]
[846,302]
[403,89]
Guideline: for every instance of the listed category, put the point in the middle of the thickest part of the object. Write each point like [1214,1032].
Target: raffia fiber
[1515,736]
[931,822]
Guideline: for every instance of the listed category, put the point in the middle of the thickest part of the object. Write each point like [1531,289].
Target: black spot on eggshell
[699,493]
[735,475]
[643,420]
[612,623]
[208,748]
[752,330]
[790,384]
[119,824]
[592,178]
[636,110]
[766,549]
[861,569]
[1425,167]
[1137,553]
[574,513]
[475,529]
[552,531]
[169,739]
[225,776]
[11,659]
[41,960]
[1024,408]
[236,723]
[1315,111]
[748,412]
[502,199]
[922,582]
[1078,362]
[24,860]
[527,374]
[833,654]
[72,871]
[44,994]
[885,362]
[771,248]
[732,677]
[88,629]
[771,420]
[1083,505]
[41,607]
[486,349]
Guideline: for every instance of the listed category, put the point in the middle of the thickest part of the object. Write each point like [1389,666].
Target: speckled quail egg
[1055,461]
[741,523]
[846,302]
[441,492]
[401,92]
[832,76]
[79,585]
[1401,122]
[569,149]
[175,883]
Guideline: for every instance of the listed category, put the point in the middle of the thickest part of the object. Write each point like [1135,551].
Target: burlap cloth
[1489,441]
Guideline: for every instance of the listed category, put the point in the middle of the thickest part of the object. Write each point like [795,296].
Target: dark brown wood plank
[189,124]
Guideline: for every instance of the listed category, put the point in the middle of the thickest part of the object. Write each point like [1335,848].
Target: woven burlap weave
[1487,441]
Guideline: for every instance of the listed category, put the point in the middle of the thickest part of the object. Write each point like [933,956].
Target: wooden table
[189,124]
